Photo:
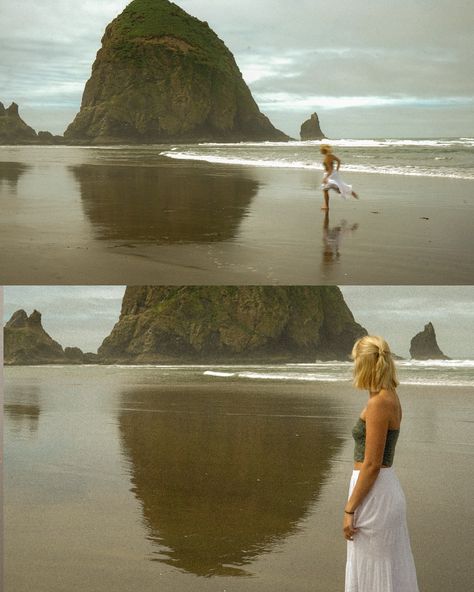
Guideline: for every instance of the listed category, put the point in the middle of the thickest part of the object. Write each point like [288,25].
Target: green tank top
[358,433]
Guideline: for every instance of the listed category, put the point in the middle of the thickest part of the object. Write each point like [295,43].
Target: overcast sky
[371,68]
[83,315]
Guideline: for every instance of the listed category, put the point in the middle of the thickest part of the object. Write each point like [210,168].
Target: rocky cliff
[26,342]
[311,130]
[246,323]
[425,347]
[162,75]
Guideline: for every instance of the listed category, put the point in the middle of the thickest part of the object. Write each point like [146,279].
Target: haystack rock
[162,75]
[222,323]
[13,130]
[425,347]
[310,129]
[26,342]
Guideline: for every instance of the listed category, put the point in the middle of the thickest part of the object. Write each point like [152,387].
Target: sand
[73,219]
[128,479]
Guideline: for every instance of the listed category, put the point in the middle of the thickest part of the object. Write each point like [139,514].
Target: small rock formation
[425,347]
[13,130]
[310,129]
[27,343]
[162,75]
[222,323]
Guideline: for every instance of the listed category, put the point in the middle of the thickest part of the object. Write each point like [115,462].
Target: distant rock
[13,130]
[49,138]
[222,323]
[425,347]
[162,75]
[74,355]
[310,129]
[26,342]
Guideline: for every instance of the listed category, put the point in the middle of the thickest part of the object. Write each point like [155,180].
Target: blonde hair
[374,368]
[325,149]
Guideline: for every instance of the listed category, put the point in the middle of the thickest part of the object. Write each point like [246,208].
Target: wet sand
[132,479]
[115,216]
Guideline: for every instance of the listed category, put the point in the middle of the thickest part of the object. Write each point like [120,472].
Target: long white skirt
[379,559]
[336,182]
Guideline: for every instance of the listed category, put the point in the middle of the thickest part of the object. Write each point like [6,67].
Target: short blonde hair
[374,368]
[325,149]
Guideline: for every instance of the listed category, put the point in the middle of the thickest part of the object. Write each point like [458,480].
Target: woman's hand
[348,526]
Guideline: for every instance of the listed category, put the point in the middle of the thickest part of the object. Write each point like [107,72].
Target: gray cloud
[371,48]
[399,312]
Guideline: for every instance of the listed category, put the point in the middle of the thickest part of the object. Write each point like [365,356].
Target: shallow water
[123,478]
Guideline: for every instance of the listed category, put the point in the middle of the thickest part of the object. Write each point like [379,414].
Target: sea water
[441,157]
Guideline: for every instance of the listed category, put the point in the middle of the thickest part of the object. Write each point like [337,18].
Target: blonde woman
[332,179]
[379,557]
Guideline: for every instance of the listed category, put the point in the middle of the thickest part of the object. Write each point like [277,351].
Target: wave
[356,143]
[275,163]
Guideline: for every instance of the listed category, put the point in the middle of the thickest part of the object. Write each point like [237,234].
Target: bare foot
[354,195]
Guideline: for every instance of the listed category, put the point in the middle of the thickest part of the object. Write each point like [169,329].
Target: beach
[220,477]
[138,215]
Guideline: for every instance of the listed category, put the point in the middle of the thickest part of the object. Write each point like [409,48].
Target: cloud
[357,55]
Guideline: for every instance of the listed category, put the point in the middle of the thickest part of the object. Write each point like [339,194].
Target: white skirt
[335,182]
[379,559]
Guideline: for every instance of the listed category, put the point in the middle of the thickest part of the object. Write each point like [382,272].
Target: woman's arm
[376,427]
[338,162]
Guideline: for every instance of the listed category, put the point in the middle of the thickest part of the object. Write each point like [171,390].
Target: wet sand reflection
[219,485]
[163,204]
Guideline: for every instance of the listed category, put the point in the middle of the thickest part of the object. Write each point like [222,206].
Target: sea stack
[425,347]
[162,75]
[13,130]
[310,129]
[27,343]
[222,323]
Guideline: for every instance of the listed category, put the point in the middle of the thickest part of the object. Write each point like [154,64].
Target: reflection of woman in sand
[379,556]
[332,179]
[332,238]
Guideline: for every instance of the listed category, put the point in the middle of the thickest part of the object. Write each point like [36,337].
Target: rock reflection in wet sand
[218,485]
[163,204]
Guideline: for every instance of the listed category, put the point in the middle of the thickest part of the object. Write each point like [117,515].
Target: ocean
[441,157]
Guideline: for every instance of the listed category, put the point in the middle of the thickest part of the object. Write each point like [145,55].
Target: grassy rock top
[162,23]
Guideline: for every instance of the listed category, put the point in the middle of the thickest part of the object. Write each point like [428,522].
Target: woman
[332,179]
[379,557]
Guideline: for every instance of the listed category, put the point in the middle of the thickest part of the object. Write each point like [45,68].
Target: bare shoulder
[380,406]
[386,406]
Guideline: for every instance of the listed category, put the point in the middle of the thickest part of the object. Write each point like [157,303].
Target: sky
[83,316]
[371,68]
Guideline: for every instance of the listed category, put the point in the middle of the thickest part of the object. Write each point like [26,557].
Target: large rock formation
[310,129]
[162,75]
[222,323]
[13,130]
[425,347]
[26,342]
